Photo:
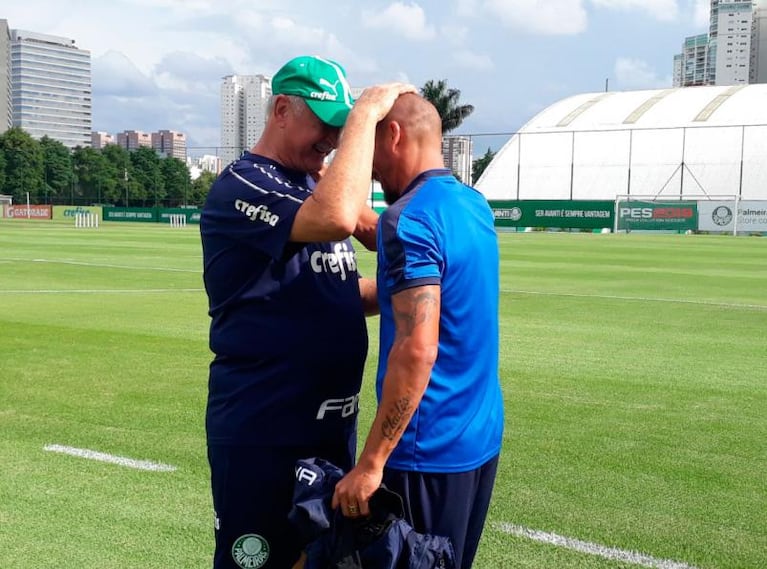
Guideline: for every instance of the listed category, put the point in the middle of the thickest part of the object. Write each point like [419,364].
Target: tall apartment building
[695,61]
[5,77]
[133,139]
[730,42]
[169,143]
[457,153]
[100,139]
[243,112]
[50,87]
[758,62]
[677,74]
[734,52]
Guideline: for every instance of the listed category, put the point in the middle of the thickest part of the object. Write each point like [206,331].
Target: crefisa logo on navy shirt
[341,261]
[256,212]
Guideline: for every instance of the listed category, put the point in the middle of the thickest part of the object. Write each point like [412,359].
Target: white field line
[593,548]
[103,457]
[103,291]
[638,298]
[106,265]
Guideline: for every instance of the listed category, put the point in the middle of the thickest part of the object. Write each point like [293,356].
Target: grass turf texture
[633,368]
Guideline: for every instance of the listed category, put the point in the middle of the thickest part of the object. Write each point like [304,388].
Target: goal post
[690,212]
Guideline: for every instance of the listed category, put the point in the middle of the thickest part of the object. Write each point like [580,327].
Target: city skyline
[159,65]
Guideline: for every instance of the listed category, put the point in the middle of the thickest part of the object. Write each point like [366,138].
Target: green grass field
[634,369]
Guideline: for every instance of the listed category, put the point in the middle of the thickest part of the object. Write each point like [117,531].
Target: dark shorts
[252,495]
[448,504]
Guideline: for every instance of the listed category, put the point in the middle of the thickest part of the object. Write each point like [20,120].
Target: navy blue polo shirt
[287,323]
[441,232]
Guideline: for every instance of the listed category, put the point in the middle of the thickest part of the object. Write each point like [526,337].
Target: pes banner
[657,216]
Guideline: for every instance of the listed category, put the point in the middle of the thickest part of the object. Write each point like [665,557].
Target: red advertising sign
[29,212]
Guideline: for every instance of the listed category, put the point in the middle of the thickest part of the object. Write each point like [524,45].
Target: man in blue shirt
[287,305]
[437,433]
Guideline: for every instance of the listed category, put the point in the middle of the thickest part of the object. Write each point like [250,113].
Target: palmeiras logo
[250,551]
[515,214]
[722,215]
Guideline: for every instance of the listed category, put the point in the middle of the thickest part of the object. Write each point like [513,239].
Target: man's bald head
[417,117]
[408,142]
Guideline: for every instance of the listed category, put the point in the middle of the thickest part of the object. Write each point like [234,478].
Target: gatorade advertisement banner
[28,212]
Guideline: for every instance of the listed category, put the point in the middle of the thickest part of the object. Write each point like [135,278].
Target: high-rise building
[694,57]
[5,77]
[244,99]
[677,77]
[51,87]
[457,153]
[758,62]
[133,139]
[170,143]
[734,52]
[204,163]
[101,139]
[730,42]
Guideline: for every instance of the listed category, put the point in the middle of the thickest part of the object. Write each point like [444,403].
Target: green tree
[91,171]
[446,102]
[2,170]
[23,165]
[146,177]
[118,167]
[200,188]
[57,169]
[479,165]
[176,181]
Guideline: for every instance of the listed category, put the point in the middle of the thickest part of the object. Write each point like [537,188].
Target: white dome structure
[679,142]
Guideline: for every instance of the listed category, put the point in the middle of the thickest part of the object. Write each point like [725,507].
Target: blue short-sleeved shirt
[287,323]
[441,232]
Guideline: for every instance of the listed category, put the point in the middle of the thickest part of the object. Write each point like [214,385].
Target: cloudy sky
[158,64]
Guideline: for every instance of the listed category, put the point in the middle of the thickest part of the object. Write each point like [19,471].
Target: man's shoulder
[264,177]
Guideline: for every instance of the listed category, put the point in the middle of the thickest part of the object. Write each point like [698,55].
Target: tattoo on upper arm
[396,420]
[420,308]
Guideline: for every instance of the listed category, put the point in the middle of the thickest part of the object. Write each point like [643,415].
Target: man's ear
[395,134]
[280,109]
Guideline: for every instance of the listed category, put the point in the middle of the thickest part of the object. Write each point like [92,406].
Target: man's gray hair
[297,103]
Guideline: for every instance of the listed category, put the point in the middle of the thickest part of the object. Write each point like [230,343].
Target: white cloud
[701,12]
[474,61]
[637,74]
[455,34]
[664,10]
[466,8]
[408,20]
[550,17]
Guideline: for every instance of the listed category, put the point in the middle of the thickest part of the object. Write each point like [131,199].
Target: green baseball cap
[321,83]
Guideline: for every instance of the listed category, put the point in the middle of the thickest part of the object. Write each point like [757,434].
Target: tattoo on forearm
[396,419]
[421,308]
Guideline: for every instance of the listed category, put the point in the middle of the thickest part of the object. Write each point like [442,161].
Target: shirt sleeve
[259,208]
[412,253]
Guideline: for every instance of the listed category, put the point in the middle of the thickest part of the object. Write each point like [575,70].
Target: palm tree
[446,102]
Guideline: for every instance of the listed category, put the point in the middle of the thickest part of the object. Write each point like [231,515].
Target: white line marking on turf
[637,298]
[106,265]
[103,457]
[102,291]
[593,548]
